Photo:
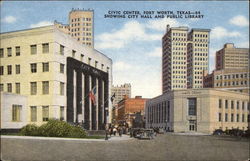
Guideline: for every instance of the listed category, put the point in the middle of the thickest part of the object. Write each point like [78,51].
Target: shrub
[55,128]
[29,130]
[77,132]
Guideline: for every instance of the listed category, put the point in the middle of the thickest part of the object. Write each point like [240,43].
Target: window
[9,87]
[219,117]
[18,88]
[1,87]
[220,103]
[33,113]
[61,113]
[73,53]
[33,49]
[45,67]
[9,52]
[243,105]
[232,117]
[238,117]
[18,51]
[243,118]
[1,70]
[82,57]
[232,104]
[238,105]
[1,53]
[61,68]
[45,87]
[61,88]
[9,69]
[33,88]
[33,68]
[45,47]
[226,104]
[18,71]
[45,113]
[192,106]
[61,49]
[16,110]
[89,62]
[226,117]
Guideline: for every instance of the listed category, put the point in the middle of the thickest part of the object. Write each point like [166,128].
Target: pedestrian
[114,131]
[110,131]
[120,131]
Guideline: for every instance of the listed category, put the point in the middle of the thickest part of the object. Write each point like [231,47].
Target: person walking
[120,131]
[114,131]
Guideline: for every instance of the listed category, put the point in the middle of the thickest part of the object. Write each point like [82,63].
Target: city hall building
[198,110]
[46,73]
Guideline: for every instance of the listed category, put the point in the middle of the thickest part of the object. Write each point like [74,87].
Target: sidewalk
[190,133]
[113,138]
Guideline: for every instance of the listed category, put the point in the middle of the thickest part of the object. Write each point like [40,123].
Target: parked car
[236,132]
[218,132]
[246,133]
[146,134]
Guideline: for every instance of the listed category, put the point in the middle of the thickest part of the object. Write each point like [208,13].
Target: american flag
[92,95]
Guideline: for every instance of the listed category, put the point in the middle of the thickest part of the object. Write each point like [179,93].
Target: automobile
[236,132]
[146,134]
[246,133]
[218,132]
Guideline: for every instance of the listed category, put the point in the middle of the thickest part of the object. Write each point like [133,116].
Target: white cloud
[121,66]
[157,52]
[244,44]
[41,23]
[212,54]
[9,19]
[220,32]
[239,21]
[160,24]
[130,32]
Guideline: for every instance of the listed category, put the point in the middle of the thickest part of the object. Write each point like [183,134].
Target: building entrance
[192,125]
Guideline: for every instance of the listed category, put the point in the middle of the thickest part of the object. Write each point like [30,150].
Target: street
[163,147]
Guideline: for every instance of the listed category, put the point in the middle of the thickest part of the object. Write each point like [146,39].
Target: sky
[134,44]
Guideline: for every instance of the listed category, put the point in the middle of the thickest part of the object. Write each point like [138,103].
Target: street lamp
[106,124]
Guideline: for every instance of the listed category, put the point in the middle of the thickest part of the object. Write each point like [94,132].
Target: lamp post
[106,124]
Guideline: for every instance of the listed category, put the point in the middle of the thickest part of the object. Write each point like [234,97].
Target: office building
[128,107]
[198,110]
[55,73]
[230,57]
[120,92]
[232,70]
[184,58]
[80,26]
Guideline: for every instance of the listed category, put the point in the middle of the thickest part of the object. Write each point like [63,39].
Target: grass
[87,137]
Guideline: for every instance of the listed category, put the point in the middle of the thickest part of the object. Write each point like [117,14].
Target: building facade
[128,107]
[13,108]
[232,70]
[80,26]
[230,57]
[55,72]
[120,92]
[184,58]
[198,110]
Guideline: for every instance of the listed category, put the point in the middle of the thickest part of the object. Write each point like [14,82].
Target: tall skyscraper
[80,26]
[184,57]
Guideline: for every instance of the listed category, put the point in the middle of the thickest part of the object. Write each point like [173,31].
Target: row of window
[243,119]
[33,88]
[83,34]
[17,110]
[83,24]
[233,76]
[79,19]
[232,104]
[33,68]
[83,29]
[33,50]
[233,83]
